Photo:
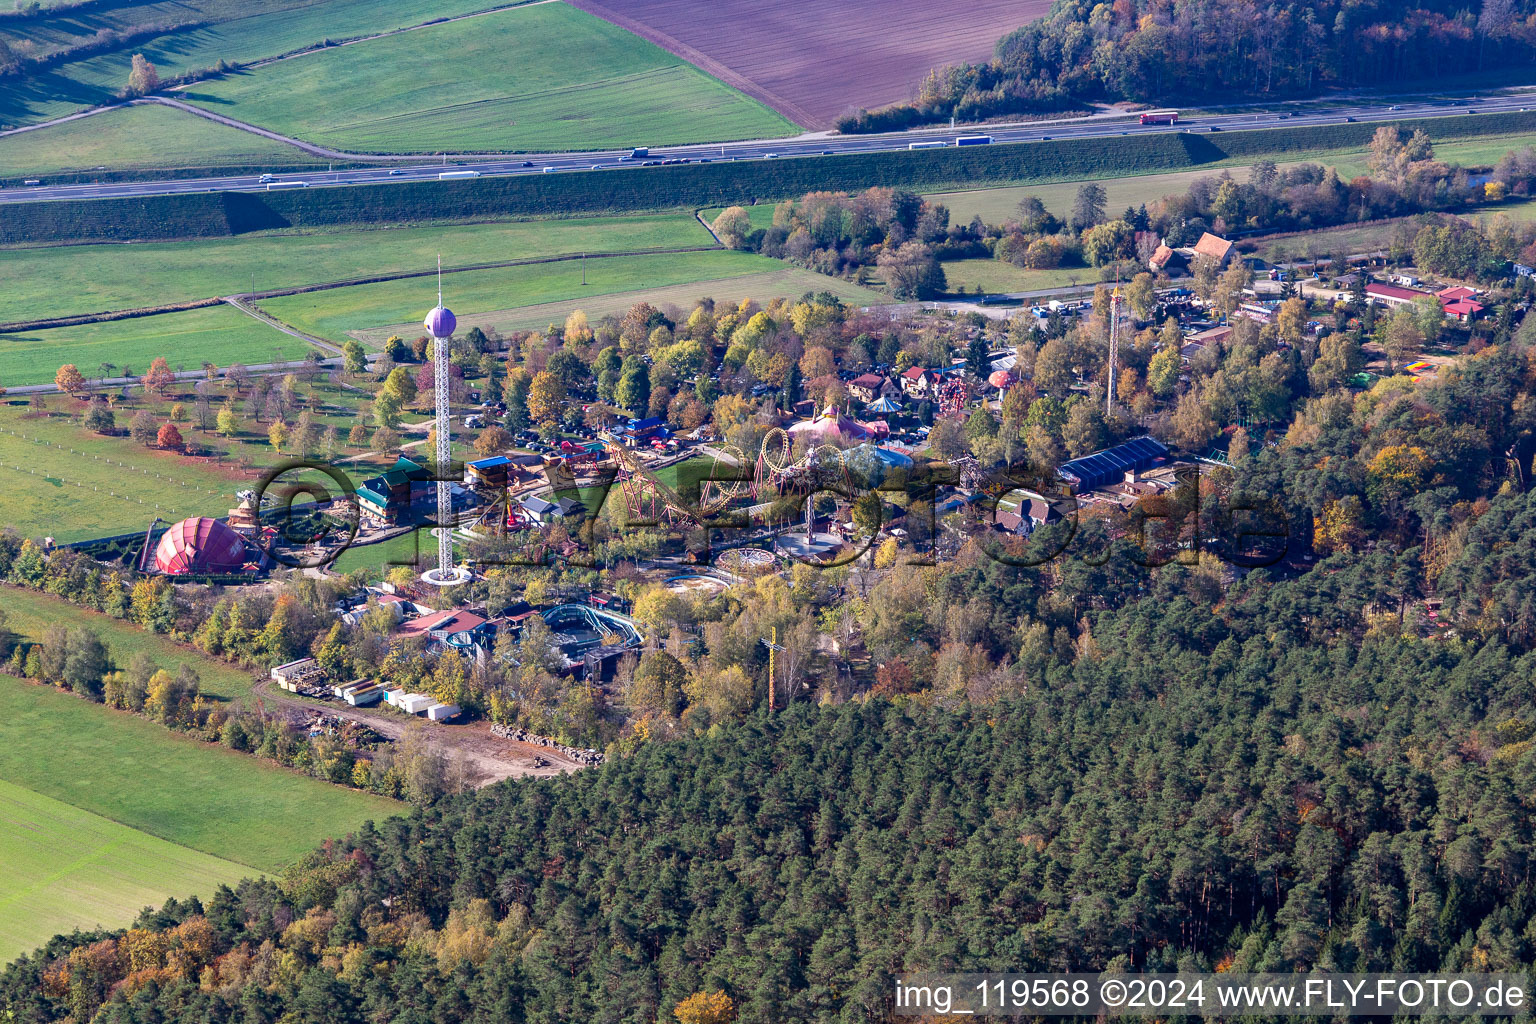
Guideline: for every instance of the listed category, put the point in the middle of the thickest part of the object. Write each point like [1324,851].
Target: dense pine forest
[1257,779]
[1157,51]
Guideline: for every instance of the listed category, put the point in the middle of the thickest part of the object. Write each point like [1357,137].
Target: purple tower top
[440,322]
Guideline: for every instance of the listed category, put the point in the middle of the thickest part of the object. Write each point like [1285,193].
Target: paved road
[417,168]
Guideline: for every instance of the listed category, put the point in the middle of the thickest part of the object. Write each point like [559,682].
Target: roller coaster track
[649,501]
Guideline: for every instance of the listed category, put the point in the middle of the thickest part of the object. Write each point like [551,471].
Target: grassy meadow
[29,614]
[537,78]
[69,869]
[203,32]
[333,313]
[142,775]
[59,481]
[218,334]
[995,276]
[788,281]
[61,280]
[140,138]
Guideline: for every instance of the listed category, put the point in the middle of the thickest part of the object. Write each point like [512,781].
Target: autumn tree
[705,1008]
[733,227]
[69,380]
[546,397]
[169,438]
[142,77]
[159,377]
[492,439]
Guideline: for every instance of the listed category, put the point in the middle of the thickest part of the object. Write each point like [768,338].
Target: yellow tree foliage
[705,1008]
[546,395]
[69,379]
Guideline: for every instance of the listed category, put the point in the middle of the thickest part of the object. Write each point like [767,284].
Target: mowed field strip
[141,774]
[67,868]
[539,77]
[140,138]
[219,334]
[51,281]
[815,61]
[333,313]
[790,282]
[204,32]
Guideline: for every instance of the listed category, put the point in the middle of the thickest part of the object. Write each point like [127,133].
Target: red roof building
[1393,295]
[1453,294]
[1464,310]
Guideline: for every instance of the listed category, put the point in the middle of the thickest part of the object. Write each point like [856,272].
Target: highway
[616,161]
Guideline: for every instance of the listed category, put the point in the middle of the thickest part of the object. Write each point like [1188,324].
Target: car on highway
[770,156]
[549,170]
[597,167]
[264,179]
[1393,107]
[32,181]
[1349,120]
[393,171]
[826,152]
[527,163]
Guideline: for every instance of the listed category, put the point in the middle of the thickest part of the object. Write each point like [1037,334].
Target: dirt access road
[486,758]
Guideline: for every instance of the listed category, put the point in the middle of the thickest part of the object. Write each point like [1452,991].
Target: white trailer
[413,703]
[438,712]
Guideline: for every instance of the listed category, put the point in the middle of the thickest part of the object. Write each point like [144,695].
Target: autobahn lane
[608,161]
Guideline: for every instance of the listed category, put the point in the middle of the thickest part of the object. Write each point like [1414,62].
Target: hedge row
[173,173]
[195,215]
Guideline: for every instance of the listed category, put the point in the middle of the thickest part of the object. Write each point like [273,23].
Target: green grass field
[69,869]
[239,31]
[219,334]
[996,276]
[30,614]
[141,137]
[58,481]
[333,313]
[539,78]
[193,794]
[790,282]
[407,547]
[61,280]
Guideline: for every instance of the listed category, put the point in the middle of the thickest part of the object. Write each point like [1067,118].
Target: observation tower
[440,324]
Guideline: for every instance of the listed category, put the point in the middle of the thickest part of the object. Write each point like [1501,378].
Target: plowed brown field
[814,61]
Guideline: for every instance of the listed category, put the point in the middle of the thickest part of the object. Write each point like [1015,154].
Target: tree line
[1151,51]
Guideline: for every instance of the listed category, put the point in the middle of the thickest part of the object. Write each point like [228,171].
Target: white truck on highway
[935,144]
[277,186]
[458,174]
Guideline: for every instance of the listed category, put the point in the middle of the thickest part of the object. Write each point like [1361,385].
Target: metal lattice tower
[440,323]
[1114,350]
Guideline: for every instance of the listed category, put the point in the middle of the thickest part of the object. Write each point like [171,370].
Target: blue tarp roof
[491,463]
[1102,467]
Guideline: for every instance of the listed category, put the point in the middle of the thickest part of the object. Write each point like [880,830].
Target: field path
[271,321]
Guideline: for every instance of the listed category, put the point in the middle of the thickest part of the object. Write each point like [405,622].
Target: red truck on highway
[1160,117]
